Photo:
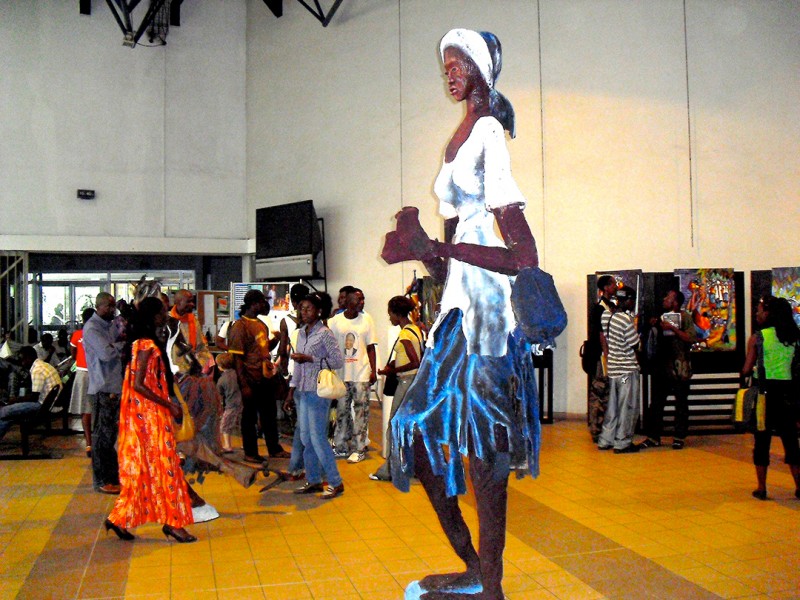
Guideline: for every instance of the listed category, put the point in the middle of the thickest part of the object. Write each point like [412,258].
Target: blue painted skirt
[484,404]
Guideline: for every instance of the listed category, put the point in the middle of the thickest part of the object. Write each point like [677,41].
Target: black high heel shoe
[122,534]
[181,538]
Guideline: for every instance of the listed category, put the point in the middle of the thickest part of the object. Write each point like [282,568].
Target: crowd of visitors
[662,349]
[130,369]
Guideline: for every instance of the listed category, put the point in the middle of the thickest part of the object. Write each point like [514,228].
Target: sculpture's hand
[408,241]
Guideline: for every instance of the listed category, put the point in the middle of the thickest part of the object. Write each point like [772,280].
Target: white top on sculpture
[477,181]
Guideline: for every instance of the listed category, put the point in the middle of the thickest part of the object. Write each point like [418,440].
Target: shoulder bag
[185,432]
[749,409]
[329,385]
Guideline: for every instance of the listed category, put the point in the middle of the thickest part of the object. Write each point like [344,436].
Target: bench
[56,398]
[711,398]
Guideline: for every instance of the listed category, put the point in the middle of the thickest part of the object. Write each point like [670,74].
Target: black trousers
[782,419]
[661,388]
[105,427]
[263,404]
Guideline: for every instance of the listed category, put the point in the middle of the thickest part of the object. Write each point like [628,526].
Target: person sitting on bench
[44,378]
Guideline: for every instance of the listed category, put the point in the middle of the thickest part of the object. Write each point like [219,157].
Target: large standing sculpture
[475,393]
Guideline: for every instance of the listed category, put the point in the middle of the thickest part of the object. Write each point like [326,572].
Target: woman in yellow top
[407,352]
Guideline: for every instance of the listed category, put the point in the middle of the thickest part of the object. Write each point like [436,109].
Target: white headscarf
[473,45]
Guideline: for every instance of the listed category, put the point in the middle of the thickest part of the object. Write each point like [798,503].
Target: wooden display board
[213,309]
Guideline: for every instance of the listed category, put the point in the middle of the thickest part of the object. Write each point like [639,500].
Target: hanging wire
[689,125]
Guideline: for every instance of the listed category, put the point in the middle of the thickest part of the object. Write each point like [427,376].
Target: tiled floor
[659,524]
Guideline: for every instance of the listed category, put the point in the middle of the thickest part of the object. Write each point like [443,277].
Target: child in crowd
[228,388]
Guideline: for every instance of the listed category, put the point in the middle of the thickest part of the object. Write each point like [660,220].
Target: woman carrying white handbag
[315,344]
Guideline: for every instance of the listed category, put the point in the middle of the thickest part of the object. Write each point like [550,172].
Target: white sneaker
[205,513]
[356,457]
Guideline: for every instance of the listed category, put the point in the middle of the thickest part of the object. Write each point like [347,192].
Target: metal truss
[276,6]
[122,10]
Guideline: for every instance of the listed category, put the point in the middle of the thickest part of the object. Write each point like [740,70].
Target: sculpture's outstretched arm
[410,242]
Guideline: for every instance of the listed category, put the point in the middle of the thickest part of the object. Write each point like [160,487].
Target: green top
[777,356]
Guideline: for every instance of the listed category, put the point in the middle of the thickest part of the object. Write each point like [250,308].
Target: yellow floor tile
[145,586]
[241,593]
[232,575]
[367,585]
[193,582]
[269,574]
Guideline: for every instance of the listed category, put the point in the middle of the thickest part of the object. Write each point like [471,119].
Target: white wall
[242,110]
[356,116]
[159,133]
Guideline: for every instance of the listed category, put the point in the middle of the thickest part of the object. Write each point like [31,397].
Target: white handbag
[328,383]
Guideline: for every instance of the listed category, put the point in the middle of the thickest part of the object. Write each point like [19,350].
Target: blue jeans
[312,419]
[296,461]
[9,414]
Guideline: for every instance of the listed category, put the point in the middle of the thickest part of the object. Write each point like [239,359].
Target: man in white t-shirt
[355,333]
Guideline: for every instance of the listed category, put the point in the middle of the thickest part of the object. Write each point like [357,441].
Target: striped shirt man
[622,343]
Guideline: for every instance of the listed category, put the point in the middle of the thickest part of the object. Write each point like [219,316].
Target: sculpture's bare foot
[439,595]
[468,581]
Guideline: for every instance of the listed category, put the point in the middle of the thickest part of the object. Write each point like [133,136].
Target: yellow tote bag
[750,409]
[185,431]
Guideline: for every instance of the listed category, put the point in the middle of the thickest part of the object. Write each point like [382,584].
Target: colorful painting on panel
[711,300]
[786,284]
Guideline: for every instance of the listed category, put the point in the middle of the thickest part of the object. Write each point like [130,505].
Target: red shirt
[80,357]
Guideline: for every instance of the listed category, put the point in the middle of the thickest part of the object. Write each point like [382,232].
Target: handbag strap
[419,340]
[392,351]
[762,372]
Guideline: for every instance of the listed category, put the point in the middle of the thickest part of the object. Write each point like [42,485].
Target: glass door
[85,295]
[55,307]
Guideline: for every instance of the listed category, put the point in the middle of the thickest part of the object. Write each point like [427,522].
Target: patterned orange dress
[150,475]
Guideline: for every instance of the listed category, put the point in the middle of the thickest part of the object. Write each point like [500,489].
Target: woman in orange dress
[153,487]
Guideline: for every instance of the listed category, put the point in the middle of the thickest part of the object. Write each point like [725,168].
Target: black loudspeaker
[289,241]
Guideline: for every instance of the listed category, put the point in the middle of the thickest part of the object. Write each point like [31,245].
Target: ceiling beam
[276,6]
[175,13]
